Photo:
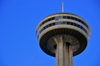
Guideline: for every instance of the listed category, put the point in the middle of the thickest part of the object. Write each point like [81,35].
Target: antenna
[62,7]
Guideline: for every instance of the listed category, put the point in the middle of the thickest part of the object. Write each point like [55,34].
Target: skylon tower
[63,35]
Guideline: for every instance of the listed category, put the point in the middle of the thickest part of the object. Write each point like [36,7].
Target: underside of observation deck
[62,31]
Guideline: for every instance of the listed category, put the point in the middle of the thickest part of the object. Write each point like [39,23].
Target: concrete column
[64,52]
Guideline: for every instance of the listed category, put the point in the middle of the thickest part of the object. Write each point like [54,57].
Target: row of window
[64,17]
[76,19]
[64,22]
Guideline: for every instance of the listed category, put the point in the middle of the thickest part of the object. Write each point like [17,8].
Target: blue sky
[18,21]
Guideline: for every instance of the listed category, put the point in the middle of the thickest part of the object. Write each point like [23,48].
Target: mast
[62,7]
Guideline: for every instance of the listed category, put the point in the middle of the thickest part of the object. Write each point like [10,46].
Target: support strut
[64,53]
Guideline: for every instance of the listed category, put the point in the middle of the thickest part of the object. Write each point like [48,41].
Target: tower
[63,35]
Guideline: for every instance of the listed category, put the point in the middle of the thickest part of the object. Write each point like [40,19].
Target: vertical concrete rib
[64,53]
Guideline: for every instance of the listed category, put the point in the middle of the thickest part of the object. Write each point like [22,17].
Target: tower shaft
[64,53]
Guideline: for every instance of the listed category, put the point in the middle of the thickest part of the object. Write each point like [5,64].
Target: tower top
[62,7]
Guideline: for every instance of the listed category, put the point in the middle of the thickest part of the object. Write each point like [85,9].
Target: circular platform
[63,31]
[66,24]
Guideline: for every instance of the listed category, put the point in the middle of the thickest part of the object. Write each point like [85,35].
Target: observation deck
[74,29]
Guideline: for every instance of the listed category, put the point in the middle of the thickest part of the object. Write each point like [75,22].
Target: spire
[62,7]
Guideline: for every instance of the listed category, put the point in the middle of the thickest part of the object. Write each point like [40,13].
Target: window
[57,23]
[64,17]
[79,20]
[53,18]
[72,18]
[46,26]
[71,23]
[85,30]
[64,22]
[78,25]
[57,17]
[68,17]
[68,23]
[41,24]
[53,23]
[44,22]
[76,19]
[49,19]
[40,31]
[74,24]
[49,25]
[61,22]
[86,25]
[82,22]
[81,27]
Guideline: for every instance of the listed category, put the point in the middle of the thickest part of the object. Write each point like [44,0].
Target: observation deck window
[68,23]
[79,20]
[76,19]
[72,18]
[74,24]
[49,19]
[57,23]
[64,22]
[53,23]
[82,22]
[85,24]
[49,24]
[53,18]
[71,23]
[57,17]
[78,25]
[61,22]
[68,17]
[64,16]
[81,27]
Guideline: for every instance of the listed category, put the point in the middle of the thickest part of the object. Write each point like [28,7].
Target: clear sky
[18,21]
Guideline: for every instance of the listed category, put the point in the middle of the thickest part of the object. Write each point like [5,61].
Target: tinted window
[64,22]
[79,20]
[61,22]
[81,27]
[57,17]
[68,17]
[82,22]
[49,19]
[64,16]
[68,23]
[78,25]
[53,18]
[72,18]
[53,23]
[74,24]
[71,23]
[57,23]
[76,19]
